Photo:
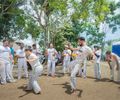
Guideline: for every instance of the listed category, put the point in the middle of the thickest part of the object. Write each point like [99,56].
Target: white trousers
[8,71]
[83,69]
[11,72]
[22,63]
[2,72]
[118,73]
[33,77]
[66,66]
[51,67]
[97,71]
[74,72]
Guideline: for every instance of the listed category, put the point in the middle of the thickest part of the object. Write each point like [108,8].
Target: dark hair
[108,52]
[28,49]
[97,47]
[50,44]
[5,40]
[81,38]
[34,45]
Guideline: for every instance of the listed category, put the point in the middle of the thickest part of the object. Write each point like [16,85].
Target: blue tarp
[116,49]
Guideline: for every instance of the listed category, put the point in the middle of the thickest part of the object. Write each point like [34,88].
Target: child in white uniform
[35,70]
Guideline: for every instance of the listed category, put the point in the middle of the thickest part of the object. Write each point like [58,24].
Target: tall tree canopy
[58,21]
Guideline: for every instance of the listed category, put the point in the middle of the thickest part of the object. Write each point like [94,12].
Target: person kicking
[35,71]
[84,52]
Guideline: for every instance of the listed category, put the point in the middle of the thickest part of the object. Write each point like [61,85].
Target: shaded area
[67,86]
[26,91]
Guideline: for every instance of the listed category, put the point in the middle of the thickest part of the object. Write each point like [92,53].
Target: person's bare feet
[38,93]
[53,76]
[73,91]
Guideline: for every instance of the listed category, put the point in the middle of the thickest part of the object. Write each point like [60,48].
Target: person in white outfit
[66,60]
[113,61]
[7,57]
[2,67]
[51,53]
[34,72]
[21,61]
[83,69]
[35,50]
[84,52]
[97,58]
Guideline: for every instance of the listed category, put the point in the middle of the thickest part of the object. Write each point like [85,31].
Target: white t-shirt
[36,52]
[34,63]
[20,53]
[97,56]
[5,53]
[51,52]
[67,54]
[1,51]
[84,51]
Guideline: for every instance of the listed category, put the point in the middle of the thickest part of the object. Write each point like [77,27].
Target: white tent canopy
[116,43]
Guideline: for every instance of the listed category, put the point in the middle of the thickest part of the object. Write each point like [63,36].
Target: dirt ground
[58,88]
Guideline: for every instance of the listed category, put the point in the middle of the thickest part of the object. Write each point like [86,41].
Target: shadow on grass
[67,88]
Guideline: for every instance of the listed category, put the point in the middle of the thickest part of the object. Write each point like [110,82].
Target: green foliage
[114,19]
[64,20]
[8,12]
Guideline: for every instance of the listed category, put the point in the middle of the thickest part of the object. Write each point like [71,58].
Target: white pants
[11,71]
[84,68]
[97,70]
[112,70]
[118,73]
[33,77]
[66,66]
[51,67]
[22,63]
[2,72]
[74,72]
[8,71]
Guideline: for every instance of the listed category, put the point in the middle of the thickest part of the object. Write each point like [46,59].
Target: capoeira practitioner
[35,50]
[21,61]
[97,58]
[34,72]
[85,51]
[2,69]
[66,60]
[113,60]
[7,57]
[51,53]
[82,70]
[12,63]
